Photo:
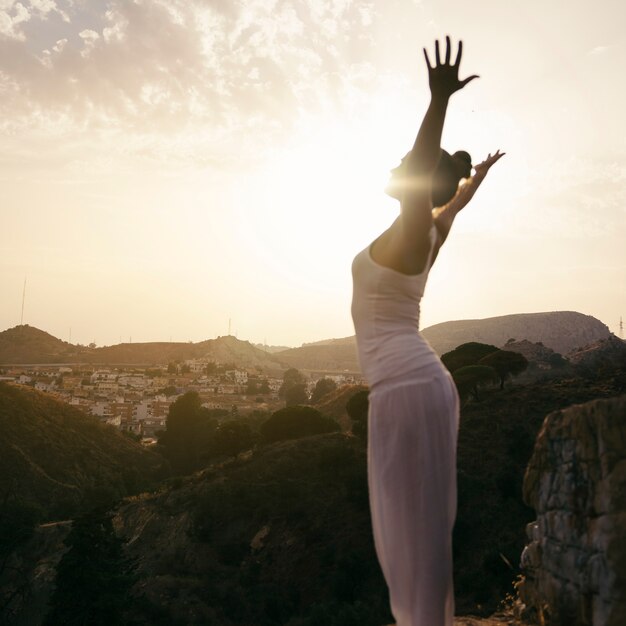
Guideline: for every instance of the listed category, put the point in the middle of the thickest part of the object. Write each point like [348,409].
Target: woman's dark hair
[450,170]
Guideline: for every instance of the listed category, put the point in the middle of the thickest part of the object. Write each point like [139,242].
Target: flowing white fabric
[413,425]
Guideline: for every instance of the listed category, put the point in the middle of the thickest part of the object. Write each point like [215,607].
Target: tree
[290,378]
[357,408]
[94,577]
[322,387]
[296,394]
[506,363]
[172,368]
[188,432]
[297,421]
[232,437]
[470,378]
[466,354]
[557,361]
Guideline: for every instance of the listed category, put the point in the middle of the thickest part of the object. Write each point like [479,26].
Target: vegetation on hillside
[57,459]
[476,365]
[55,463]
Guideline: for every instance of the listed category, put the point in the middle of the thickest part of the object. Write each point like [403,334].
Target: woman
[414,409]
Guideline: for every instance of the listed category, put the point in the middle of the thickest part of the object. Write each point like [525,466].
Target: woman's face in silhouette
[397,181]
[444,182]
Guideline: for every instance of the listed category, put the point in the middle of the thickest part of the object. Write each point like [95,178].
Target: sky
[179,169]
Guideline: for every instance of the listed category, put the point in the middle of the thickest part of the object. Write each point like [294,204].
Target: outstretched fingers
[448,50]
[430,67]
[437,55]
[459,54]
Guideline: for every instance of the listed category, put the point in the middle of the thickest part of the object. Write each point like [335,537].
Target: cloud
[12,15]
[157,67]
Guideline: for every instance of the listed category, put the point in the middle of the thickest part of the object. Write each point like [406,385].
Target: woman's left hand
[482,168]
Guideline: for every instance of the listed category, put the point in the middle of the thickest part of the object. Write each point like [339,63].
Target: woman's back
[385,311]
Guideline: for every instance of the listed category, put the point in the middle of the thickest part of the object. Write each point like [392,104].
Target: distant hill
[227,349]
[559,331]
[58,459]
[343,341]
[27,344]
[562,331]
[270,349]
[331,355]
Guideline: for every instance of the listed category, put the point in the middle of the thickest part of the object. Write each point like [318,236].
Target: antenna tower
[621,328]
[23,299]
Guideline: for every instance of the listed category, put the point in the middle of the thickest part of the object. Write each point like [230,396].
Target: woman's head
[445,181]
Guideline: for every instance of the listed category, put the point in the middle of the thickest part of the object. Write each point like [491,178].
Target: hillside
[58,459]
[333,404]
[26,344]
[609,352]
[227,349]
[333,355]
[281,535]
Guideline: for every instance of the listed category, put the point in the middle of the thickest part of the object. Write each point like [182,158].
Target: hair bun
[463,161]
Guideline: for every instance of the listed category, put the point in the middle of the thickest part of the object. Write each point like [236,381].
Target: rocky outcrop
[602,354]
[575,562]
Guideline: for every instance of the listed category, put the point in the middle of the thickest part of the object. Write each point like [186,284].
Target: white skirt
[413,426]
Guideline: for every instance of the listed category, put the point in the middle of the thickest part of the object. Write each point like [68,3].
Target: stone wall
[575,561]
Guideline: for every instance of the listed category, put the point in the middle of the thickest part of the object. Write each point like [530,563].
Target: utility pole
[621,328]
[229,326]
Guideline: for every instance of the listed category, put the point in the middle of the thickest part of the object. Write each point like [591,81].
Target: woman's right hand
[443,78]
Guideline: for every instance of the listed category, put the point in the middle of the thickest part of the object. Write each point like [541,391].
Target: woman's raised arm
[443,79]
[405,245]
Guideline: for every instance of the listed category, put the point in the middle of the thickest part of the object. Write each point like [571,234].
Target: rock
[575,561]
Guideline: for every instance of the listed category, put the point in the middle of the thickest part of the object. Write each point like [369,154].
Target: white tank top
[385,311]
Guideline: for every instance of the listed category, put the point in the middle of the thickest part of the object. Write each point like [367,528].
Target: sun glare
[314,200]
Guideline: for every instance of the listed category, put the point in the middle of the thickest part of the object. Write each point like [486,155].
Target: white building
[240,377]
[103,376]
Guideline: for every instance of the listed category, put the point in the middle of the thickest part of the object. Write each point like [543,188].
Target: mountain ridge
[561,331]
[29,345]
